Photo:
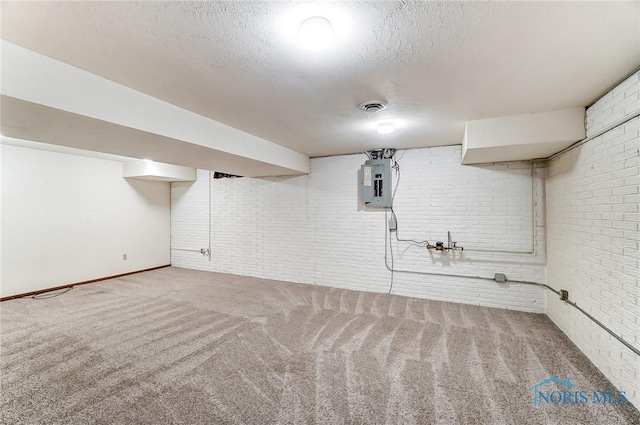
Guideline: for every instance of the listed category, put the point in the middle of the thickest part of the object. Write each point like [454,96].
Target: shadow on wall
[151,190]
[277,179]
[567,162]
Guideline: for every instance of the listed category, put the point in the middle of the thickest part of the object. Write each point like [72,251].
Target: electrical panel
[375,183]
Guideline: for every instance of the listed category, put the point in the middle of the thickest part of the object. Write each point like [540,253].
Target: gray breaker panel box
[375,183]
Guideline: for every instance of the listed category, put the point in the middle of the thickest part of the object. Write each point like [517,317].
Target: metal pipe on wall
[566,299]
[209,227]
[606,129]
[534,233]
[393,269]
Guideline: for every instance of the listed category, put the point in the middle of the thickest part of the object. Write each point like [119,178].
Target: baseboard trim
[55,288]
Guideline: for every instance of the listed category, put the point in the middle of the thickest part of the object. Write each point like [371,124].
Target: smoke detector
[373,105]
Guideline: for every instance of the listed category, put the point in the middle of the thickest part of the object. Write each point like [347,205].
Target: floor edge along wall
[71,285]
[313,229]
[592,227]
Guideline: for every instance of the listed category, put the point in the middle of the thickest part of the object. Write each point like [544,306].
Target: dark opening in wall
[218,175]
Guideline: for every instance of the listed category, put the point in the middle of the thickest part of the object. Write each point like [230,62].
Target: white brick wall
[190,222]
[620,102]
[260,228]
[485,207]
[312,229]
[593,238]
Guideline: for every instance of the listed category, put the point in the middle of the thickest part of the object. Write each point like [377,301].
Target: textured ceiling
[438,64]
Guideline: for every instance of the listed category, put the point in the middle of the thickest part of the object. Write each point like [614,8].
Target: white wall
[312,229]
[68,218]
[593,238]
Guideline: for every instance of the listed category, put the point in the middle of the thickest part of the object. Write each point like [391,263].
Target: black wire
[47,295]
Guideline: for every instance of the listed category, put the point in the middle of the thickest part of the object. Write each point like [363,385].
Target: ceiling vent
[373,105]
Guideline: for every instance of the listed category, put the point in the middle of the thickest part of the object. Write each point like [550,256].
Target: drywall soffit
[39,80]
[522,137]
[151,170]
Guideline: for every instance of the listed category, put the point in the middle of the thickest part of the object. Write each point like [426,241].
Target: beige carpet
[176,346]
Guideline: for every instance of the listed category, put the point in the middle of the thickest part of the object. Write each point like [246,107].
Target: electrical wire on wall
[395,167]
[422,244]
[563,295]
[388,254]
[418,243]
[391,249]
[426,243]
[498,277]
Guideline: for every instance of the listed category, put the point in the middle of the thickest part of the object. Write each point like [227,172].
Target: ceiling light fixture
[386,128]
[315,33]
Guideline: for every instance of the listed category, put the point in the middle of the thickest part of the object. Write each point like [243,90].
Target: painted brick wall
[620,102]
[190,222]
[486,208]
[312,229]
[593,238]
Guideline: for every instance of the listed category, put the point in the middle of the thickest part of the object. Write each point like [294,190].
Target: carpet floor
[175,346]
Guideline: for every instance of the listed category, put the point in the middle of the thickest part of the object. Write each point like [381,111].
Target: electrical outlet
[124,257]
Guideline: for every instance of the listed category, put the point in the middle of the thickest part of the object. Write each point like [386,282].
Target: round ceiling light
[386,128]
[315,33]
